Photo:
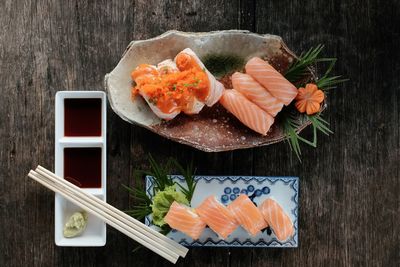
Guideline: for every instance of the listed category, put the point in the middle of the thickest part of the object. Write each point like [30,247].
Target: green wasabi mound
[76,224]
[162,202]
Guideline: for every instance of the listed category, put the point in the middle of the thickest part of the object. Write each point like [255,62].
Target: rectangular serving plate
[95,232]
[285,190]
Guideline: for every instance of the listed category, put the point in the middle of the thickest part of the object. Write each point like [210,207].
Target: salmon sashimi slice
[184,219]
[217,217]
[277,219]
[246,111]
[256,93]
[187,59]
[271,79]
[247,214]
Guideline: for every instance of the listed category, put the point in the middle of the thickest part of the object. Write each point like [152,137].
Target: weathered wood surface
[349,199]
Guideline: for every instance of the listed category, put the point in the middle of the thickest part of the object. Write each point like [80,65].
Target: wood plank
[338,199]
[349,201]
[154,18]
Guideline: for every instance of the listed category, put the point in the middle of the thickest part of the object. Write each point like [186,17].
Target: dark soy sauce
[82,166]
[82,117]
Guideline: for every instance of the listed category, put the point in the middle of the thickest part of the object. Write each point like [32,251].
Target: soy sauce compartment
[82,117]
[83,166]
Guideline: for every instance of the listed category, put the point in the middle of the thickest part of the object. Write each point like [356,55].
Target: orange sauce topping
[172,90]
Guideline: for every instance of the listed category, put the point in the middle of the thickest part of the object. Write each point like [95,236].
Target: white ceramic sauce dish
[95,233]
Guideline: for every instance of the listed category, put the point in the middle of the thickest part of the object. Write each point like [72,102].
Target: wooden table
[349,199]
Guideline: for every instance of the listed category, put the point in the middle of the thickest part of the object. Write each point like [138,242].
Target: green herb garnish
[291,119]
[188,174]
[164,193]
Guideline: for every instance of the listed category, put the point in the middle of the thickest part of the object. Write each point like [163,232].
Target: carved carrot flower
[309,99]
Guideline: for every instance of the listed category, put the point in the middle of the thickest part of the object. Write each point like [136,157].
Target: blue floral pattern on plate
[227,188]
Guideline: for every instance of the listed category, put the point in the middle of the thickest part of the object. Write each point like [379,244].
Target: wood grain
[349,190]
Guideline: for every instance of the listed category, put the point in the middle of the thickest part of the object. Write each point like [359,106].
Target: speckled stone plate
[285,190]
[213,129]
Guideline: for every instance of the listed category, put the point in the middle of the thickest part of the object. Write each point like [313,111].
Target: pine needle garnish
[291,125]
[160,175]
[188,174]
[300,68]
[298,73]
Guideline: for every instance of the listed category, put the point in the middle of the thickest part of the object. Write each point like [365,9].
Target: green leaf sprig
[191,183]
[162,179]
[297,72]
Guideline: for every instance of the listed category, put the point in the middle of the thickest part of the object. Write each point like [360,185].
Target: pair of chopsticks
[122,222]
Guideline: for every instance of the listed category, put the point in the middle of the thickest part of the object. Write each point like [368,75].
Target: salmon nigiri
[184,219]
[217,217]
[256,93]
[277,219]
[247,214]
[246,111]
[186,60]
[271,79]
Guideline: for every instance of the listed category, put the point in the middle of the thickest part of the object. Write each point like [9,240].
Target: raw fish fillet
[246,111]
[216,88]
[256,93]
[184,219]
[271,79]
[247,214]
[217,217]
[277,219]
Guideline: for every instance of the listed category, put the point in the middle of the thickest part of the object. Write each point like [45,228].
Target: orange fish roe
[172,90]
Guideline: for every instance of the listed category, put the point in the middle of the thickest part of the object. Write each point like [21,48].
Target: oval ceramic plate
[285,190]
[214,129]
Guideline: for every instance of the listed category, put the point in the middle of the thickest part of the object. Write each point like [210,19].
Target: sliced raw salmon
[271,79]
[187,59]
[246,111]
[217,217]
[256,93]
[247,214]
[277,219]
[184,219]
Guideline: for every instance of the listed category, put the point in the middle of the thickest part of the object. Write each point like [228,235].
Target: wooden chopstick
[165,241]
[131,232]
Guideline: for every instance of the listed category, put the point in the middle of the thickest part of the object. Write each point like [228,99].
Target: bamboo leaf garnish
[301,68]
